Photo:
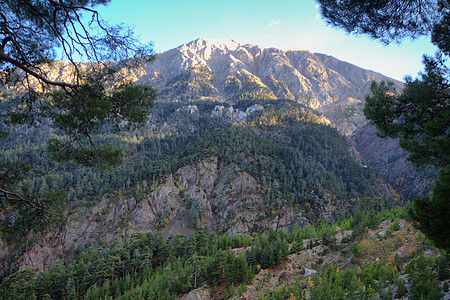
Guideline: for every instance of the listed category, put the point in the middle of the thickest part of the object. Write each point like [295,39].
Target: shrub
[356,249]
[401,288]
[396,225]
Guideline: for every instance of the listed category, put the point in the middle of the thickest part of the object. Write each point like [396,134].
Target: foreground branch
[14,197]
[27,70]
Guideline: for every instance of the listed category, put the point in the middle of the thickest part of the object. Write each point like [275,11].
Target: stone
[309,272]
[202,293]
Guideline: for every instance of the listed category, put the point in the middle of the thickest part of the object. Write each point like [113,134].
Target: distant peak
[219,43]
[298,50]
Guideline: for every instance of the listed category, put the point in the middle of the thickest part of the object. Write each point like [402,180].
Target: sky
[283,24]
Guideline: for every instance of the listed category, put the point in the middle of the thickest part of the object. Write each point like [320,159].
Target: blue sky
[284,24]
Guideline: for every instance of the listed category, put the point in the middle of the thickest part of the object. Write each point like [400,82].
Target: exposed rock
[143,217]
[381,234]
[287,218]
[203,68]
[254,108]
[238,228]
[346,115]
[165,199]
[309,272]
[192,109]
[202,293]
[222,198]
[221,111]
[41,258]
[234,115]
[391,161]
[202,174]
[310,78]
[341,235]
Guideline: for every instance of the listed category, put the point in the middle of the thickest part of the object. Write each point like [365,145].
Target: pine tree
[30,32]
[420,115]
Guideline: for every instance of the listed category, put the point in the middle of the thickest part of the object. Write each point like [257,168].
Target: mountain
[242,169]
[240,141]
[226,71]
[371,255]
[391,161]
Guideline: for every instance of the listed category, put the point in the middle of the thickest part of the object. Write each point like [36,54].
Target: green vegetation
[245,86]
[280,88]
[356,240]
[78,103]
[419,116]
[147,265]
[368,275]
[198,81]
[144,266]
[296,160]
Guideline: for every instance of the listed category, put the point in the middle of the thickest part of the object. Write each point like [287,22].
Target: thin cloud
[273,22]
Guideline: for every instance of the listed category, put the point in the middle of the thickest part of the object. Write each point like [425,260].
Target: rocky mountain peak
[227,70]
[204,43]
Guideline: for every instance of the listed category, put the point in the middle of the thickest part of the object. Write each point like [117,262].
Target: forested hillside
[368,255]
[194,166]
[224,185]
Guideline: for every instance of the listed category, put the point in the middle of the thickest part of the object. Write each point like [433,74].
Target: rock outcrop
[222,198]
[227,71]
[198,294]
[391,160]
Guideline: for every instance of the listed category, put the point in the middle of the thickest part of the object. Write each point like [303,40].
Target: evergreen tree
[30,32]
[420,115]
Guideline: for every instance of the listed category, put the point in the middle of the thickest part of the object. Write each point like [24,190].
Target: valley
[246,149]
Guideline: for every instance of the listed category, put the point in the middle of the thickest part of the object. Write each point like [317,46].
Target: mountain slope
[194,166]
[228,71]
[218,151]
[391,161]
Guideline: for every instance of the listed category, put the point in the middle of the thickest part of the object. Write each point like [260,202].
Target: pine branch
[40,77]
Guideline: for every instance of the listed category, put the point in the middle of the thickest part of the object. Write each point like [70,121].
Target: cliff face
[222,198]
[391,161]
[227,71]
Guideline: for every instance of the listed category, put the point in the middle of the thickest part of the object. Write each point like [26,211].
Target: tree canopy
[419,115]
[87,97]
[385,20]
[31,32]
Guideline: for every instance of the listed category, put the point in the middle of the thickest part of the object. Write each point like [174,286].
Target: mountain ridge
[229,71]
[312,79]
[230,148]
